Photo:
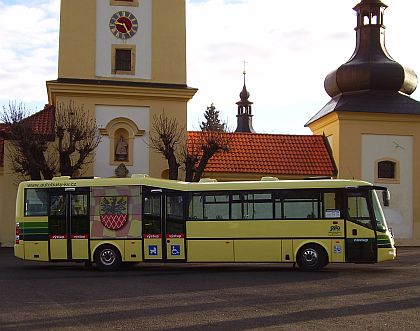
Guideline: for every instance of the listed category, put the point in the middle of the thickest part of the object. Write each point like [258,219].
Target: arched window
[387,171]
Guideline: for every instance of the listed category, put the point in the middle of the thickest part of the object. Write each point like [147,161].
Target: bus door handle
[354,232]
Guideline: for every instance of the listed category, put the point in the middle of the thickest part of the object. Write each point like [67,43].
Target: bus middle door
[69,224]
[163,226]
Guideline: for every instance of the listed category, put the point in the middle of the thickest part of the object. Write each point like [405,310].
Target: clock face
[123,24]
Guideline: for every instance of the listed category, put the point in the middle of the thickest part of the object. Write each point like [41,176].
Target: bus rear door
[69,224]
[163,225]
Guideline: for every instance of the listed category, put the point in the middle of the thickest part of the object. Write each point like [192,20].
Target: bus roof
[205,185]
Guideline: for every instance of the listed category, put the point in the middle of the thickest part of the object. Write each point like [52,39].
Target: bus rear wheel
[107,257]
[312,257]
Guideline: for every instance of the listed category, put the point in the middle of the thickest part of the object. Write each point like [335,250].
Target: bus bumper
[19,251]
[387,254]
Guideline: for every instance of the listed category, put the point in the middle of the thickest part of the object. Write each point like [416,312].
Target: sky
[288,46]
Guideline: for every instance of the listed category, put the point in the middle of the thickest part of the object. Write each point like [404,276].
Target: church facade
[373,125]
[123,61]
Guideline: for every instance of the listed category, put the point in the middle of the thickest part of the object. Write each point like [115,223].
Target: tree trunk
[202,165]
[173,167]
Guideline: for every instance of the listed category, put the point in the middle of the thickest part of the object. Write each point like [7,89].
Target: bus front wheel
[312,257]
[107,257]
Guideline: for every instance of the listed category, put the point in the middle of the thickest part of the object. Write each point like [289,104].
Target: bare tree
[202,149]
[77,137]
[27,147]
[212,139]
[168,138]
[65,148]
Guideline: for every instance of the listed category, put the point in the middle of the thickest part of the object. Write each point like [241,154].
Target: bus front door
[361,240]
[69,224]
[163,226]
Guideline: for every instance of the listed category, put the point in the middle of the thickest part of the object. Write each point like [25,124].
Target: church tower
[244,110]
[372,124]
[125,62]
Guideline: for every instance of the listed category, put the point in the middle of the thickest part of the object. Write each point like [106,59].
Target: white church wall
[142,39]
[399,214]
[140,116]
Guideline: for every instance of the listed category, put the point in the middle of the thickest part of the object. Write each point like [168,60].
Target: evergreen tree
[212,121]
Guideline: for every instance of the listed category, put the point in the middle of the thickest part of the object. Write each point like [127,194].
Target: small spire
[244,95]
[244,108]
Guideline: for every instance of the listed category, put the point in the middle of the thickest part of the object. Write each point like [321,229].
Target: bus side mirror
[386,197]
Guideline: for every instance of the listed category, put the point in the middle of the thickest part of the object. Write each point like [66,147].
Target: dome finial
[244,70]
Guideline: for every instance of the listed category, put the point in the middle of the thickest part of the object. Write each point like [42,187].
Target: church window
[374,19]
[366,18]
[387,171]
[123,59]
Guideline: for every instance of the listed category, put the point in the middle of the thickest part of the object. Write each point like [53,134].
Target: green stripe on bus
[28,225]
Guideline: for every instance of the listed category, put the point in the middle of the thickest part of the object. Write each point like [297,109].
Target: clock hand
[123,24]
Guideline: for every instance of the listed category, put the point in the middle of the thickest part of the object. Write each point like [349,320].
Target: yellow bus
[109,221]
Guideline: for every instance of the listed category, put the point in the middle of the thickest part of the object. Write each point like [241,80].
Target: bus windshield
[379,214]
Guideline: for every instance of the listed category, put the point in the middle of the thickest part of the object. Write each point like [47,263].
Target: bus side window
[216,206]
[236,206]
[300,204]
[36,202]
[332,205]
[196,206]
[258,206]
[358,209]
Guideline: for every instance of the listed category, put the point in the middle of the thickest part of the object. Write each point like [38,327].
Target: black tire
[312,257]
[107,258]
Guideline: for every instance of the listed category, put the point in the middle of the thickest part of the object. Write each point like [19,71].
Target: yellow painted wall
[173,102]
[8,189]
[169,42]
[77,50]
[348,127]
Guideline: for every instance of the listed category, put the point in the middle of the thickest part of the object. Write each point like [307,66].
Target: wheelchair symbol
[175,250]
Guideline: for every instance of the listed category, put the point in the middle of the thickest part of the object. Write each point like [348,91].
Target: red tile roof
[274,154]
[43,121]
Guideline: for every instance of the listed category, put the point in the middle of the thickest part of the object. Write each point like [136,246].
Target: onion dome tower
[371,80]
[244,110]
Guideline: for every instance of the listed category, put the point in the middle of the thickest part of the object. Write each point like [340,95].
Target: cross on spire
[244,72]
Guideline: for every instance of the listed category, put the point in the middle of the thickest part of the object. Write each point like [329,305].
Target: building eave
[127,89]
